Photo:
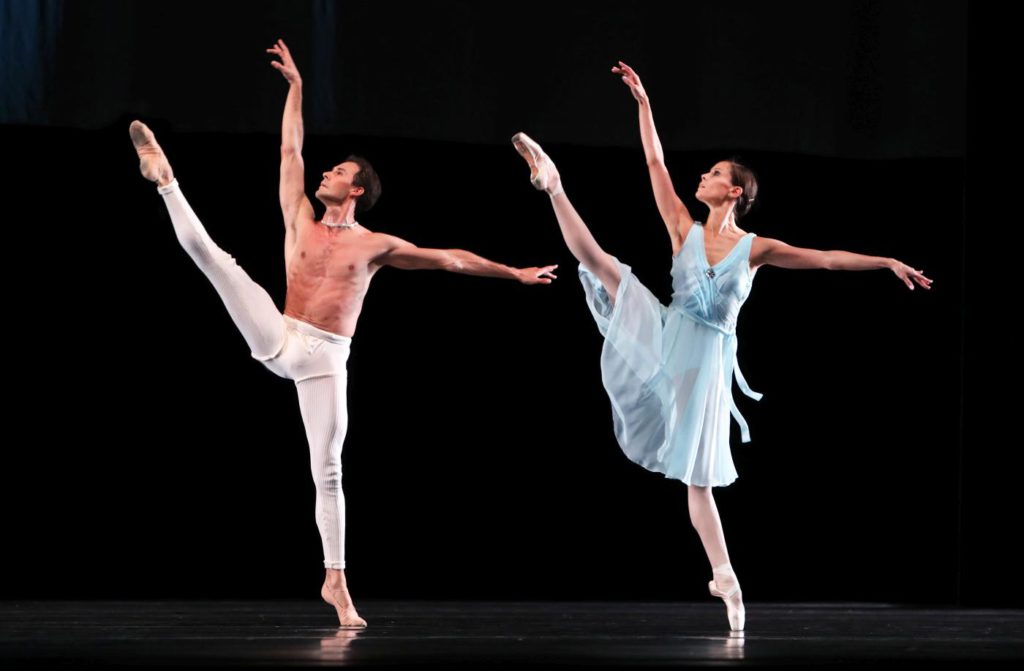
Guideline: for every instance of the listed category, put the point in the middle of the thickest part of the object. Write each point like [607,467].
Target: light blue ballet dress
[668,370]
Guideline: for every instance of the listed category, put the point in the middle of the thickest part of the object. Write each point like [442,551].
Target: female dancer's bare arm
[674,213]
[766,251]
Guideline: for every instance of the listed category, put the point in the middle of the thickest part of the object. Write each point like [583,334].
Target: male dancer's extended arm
[407,256]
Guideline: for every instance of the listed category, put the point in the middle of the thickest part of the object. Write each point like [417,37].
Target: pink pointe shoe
[543,174]
[732,596]
[153,163]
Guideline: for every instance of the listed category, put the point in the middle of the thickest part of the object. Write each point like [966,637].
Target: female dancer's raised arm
[674,213]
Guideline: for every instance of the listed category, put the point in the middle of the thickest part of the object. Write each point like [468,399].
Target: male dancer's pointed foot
[727,587]
[338,596]
[152,162]
[543,174]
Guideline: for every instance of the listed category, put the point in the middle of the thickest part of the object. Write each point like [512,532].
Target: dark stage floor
[301,633]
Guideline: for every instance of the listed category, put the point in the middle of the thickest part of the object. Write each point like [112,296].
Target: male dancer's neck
[340,214]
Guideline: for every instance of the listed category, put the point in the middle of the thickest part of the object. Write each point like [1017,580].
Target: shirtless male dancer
[329,265]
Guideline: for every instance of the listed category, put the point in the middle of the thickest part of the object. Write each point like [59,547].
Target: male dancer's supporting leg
[322,401]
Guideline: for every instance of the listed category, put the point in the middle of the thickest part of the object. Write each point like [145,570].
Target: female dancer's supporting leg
[705,519]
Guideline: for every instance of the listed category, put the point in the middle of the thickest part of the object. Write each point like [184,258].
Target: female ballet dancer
[668,370]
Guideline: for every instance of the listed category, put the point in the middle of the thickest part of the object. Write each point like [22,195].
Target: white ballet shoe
[733,597]
[543,174]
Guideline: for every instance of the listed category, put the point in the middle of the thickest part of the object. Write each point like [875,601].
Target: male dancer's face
[337,185]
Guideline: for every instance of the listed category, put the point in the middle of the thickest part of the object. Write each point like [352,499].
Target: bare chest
[331,256]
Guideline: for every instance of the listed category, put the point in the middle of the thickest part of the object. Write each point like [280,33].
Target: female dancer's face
[716,185]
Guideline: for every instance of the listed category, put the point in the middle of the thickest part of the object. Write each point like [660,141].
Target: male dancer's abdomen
[327,304]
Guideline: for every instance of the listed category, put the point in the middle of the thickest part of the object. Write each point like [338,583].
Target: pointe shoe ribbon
[735,612]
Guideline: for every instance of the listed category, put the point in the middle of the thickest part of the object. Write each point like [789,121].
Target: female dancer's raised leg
[544,176]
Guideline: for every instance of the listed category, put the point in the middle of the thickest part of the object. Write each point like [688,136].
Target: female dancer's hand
[632,80]
[906,273]
[537,275]
[287,66]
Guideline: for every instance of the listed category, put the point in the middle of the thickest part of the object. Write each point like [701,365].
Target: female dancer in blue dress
[668,369]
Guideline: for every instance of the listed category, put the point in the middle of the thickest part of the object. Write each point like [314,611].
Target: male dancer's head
[353,180]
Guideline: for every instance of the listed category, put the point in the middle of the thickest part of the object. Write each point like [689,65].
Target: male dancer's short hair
[368,179]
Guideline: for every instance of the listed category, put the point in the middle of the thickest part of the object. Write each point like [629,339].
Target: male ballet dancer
[329,265]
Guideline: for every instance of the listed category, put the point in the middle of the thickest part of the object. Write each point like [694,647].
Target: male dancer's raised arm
[295,206]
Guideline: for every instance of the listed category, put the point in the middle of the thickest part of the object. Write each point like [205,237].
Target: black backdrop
[154,458]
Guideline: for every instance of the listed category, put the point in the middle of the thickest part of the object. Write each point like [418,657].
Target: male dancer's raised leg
[250,306]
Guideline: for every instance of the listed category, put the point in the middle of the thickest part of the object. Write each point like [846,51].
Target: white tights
[315,359]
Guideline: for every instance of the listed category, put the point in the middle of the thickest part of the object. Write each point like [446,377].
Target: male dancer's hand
[537,275]
[906,273]
[287,66]
[632,80]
